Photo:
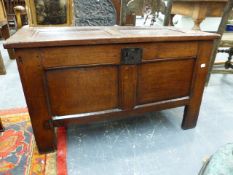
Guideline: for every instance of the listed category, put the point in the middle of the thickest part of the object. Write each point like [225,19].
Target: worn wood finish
[71,75]
[111,54]
[198,9]
[176,50]
[83,55]
[70,36]
[116,114]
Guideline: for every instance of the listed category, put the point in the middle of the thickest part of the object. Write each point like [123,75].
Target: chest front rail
[84,84]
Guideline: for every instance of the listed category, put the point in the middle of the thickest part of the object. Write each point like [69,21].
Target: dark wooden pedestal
[1,126]
[5,33]
[2,67]
[83,75]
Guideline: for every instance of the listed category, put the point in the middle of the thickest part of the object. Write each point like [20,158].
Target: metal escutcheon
[131,55]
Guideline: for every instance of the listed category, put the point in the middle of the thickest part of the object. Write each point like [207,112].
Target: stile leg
[191,113]
[29,65]
[44,131]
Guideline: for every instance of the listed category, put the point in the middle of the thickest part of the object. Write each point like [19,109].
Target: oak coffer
[89,74]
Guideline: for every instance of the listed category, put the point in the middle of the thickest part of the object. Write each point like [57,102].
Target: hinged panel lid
[29,37]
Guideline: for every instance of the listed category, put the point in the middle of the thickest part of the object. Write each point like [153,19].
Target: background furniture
[226,13]
[227,66]
[1,126]
[97,13]
[9,5]
[101,73]
[198,9]
[4,28]
[2,67]
[81,13]
[147,7]
[227,42]
[53,12]
[201,9]
[20,16]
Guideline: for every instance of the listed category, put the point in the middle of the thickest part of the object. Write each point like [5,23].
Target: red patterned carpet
[18,152]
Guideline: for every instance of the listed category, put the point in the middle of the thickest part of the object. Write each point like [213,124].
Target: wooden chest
[83,74]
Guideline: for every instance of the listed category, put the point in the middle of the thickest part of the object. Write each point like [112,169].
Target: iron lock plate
[131,55]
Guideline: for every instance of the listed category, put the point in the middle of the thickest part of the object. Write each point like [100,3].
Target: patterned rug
[18,151]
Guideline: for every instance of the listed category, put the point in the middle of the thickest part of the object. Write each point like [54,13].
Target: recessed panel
[80,90]
[164,80]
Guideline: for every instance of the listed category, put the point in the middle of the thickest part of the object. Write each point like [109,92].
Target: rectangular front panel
[111,54]
[164,80]
[80,90]
[82,55]
[170,50]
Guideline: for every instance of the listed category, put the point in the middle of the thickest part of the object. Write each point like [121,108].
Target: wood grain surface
[29,37]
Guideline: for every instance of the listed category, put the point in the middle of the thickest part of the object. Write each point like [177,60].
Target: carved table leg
[29,65]
[171,20]
[191,111]
[5,31]
[199,14]
[2,67]
[197,23]
[1,126]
